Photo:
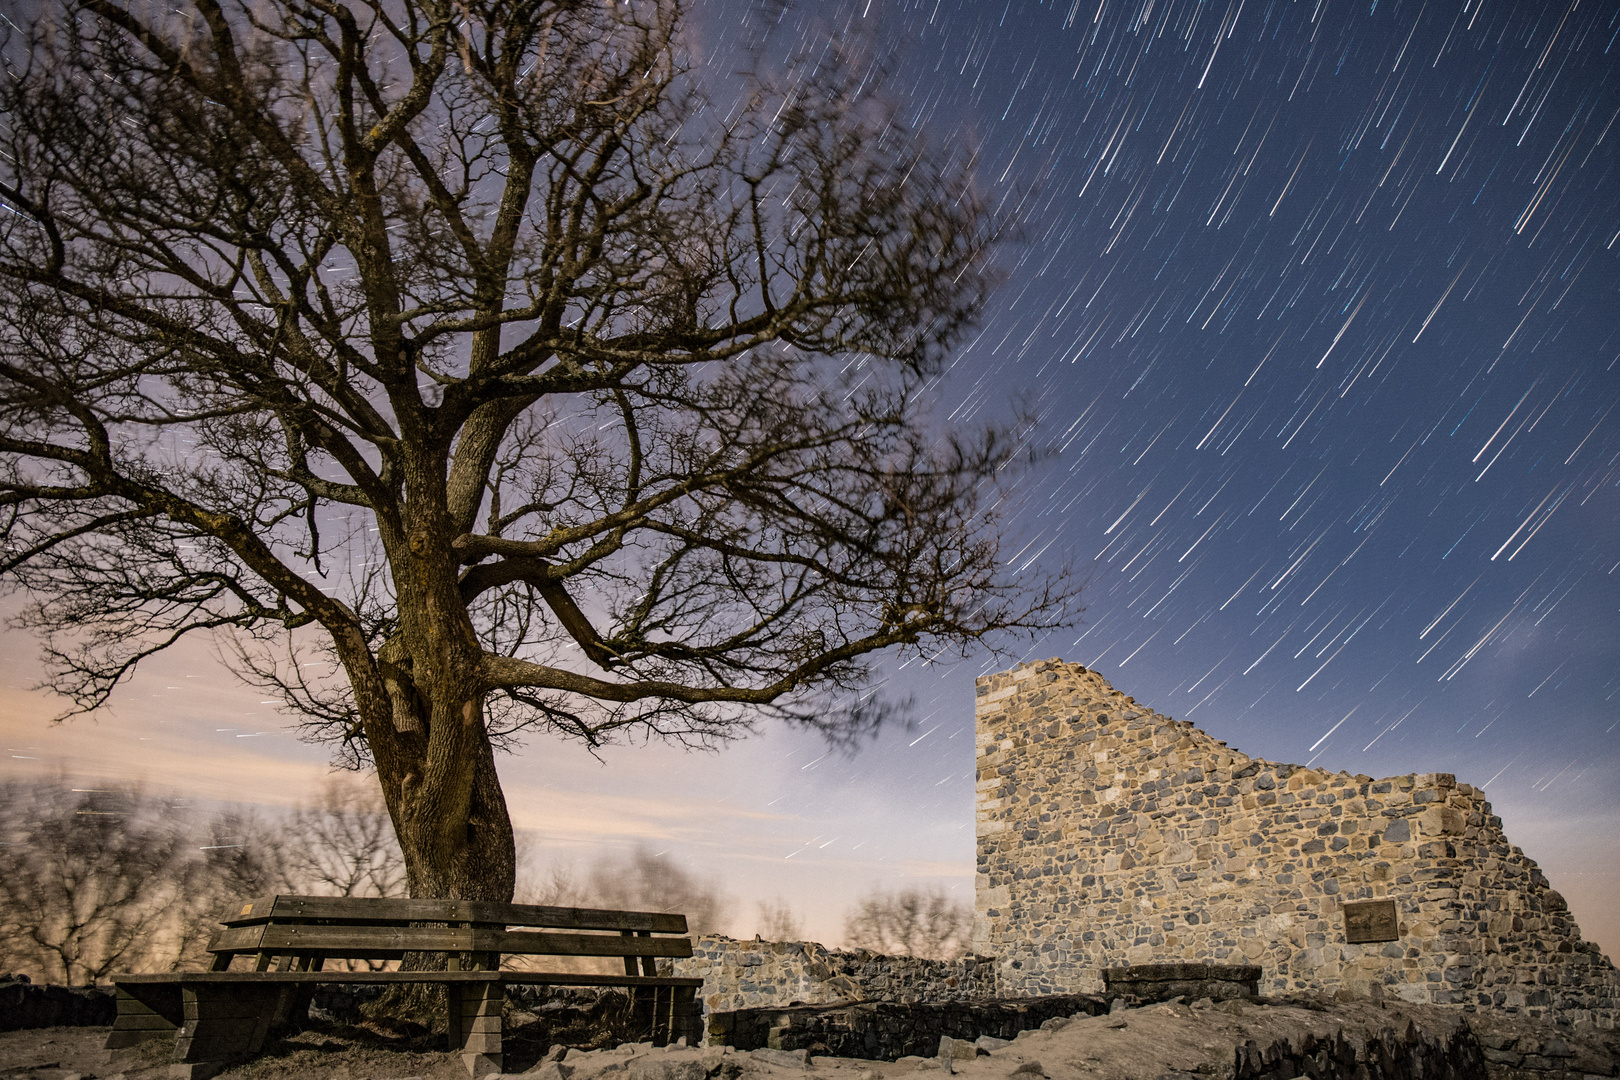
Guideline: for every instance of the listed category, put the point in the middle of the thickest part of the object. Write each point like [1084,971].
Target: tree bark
[426,731]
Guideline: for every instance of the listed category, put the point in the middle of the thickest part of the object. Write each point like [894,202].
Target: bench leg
[663,1032]
[688,1016]
[291,1010]
[644,1014]
[475,1025]
[146,1011]
[659,1014]
[223,1024]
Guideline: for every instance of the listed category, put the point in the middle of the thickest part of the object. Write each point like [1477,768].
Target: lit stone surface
[1109,834]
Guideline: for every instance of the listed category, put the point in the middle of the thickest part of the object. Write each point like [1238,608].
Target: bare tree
[236,855]
[340,843]
[242,856]
[94,881]
[911,922]
[637,880]
[777,921]
[343,843]
[645,880]
[474,373]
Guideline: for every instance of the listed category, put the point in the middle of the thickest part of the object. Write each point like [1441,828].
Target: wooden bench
[220,1016]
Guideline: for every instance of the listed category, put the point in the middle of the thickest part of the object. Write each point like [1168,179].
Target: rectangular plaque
[1372,920]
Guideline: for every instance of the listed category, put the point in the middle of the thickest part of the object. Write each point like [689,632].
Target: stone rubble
[1270,1039]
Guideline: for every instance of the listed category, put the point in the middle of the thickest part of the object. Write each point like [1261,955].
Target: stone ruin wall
[1109,834]
[739,974]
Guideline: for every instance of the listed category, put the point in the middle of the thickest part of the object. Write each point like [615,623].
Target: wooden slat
[481,1000]
[233,1007]
[224,1031]
[338,940]
[393,909]
[213,1047]
[236,939]
[259,907]
[343,940]
[138,1021]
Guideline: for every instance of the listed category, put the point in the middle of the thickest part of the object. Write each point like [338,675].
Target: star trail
[1318,303]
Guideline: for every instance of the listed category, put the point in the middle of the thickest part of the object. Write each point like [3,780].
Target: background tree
[100,879]
[636,880]
[911,922]
[473,372]
[778,921]
[343,844]
[237,854]
[91,880]
[643,880]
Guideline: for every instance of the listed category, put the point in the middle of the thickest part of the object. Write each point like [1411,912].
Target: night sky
[1320,304]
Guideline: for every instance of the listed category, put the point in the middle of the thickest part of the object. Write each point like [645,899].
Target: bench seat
[541,978]
[221,1016]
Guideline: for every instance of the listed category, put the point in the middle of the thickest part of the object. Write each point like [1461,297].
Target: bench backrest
[317,928]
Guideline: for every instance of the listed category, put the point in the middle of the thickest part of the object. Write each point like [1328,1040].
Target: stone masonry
[740,974]
[1109,834]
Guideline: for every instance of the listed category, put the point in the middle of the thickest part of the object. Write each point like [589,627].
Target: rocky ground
[1246,1040]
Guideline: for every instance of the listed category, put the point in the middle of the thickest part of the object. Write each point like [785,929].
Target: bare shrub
[639,880]
[343,843]
[777,921]
[644,881]
[911,922]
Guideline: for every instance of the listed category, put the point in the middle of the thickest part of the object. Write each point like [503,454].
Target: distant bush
[910,923]
[778,922]
[638,880]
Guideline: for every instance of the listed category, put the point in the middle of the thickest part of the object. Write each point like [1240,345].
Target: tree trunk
[482,865]
[425,729]
[437,771]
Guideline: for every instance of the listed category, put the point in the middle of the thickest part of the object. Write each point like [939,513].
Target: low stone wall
[24,1004]
[888,1030]
[767,974]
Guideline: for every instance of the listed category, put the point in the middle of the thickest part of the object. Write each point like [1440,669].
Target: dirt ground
[1148,1043]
